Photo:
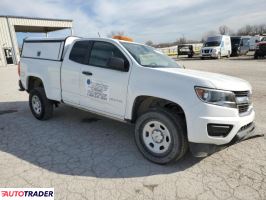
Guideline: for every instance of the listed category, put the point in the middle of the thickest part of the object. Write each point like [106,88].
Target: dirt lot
[84,156]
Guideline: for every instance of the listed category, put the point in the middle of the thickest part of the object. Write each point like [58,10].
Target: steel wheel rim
[36,104]
[156,137]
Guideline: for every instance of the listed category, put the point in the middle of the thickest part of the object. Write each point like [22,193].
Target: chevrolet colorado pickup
[173,109]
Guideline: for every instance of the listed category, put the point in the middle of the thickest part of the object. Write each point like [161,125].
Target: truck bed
[44,58]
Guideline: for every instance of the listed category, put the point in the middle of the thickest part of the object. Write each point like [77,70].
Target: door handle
[87,73]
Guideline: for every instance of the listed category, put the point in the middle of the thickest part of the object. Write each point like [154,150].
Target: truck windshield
[263,39]
[212,44]
[149,57]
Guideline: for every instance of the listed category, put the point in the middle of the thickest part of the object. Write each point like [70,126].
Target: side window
[80,52]
[101,53]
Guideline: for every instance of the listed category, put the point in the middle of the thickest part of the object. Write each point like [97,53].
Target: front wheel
[41,107]
[161,136]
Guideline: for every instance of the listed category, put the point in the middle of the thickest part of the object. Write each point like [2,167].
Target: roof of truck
[60,39]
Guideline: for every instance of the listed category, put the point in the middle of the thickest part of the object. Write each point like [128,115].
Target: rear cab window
[80,52]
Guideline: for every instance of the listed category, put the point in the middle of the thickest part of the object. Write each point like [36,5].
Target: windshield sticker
[97,90]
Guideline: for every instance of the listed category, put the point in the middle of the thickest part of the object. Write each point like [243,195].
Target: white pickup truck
[173,108]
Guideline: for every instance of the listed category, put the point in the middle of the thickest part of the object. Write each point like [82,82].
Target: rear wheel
[41,107]
[161,136]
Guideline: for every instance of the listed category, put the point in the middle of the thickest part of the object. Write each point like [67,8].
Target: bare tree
[224,30]
[207,34]
[149,43]
[113,33]
[246,30]
[261,29]
[181,40]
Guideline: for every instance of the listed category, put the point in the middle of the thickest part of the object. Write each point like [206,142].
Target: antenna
[99,34]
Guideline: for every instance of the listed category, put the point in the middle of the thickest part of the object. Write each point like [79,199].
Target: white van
[216,47]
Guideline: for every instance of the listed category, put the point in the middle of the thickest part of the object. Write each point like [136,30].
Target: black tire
[46,107]
[256,56]
[178,142]
[202,58]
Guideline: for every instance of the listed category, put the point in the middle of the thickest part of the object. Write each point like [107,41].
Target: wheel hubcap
[36,104]
[156,137]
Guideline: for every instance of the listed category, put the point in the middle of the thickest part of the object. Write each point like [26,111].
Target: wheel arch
[33,82]
[143,103]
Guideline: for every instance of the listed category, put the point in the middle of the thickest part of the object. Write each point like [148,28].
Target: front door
[70,73]
[102,88]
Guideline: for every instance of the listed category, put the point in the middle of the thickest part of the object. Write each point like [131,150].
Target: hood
[219,81]
[262,43]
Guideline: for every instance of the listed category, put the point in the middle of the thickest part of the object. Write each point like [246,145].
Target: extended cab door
[104,88]
[70,72]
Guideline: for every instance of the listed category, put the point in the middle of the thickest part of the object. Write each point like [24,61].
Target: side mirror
[117,63]
[256,41]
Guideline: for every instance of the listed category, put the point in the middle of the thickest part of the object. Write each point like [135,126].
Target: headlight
[216,97]
[214,50]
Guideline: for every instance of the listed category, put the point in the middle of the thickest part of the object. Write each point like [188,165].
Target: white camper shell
[216,47]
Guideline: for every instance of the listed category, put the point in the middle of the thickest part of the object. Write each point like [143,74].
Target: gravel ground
[84,156]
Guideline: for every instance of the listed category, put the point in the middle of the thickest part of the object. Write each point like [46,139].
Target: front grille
[206,51]
[243,107]
[241,93]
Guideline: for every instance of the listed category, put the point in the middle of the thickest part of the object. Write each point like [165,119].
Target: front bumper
[204,114]
[209,55]
[202,150]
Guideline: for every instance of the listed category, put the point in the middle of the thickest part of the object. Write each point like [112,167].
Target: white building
[9,25]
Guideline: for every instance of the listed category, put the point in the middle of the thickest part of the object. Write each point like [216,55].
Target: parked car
[173,108]
[216,47]
[189,49]
[253,42]
[260,48]
[240,45]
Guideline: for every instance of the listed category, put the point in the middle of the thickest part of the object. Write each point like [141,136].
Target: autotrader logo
[26,193]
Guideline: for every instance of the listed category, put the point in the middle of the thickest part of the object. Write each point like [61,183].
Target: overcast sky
[156,20]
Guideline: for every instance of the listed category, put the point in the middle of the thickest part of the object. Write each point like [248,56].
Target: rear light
[19,68]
